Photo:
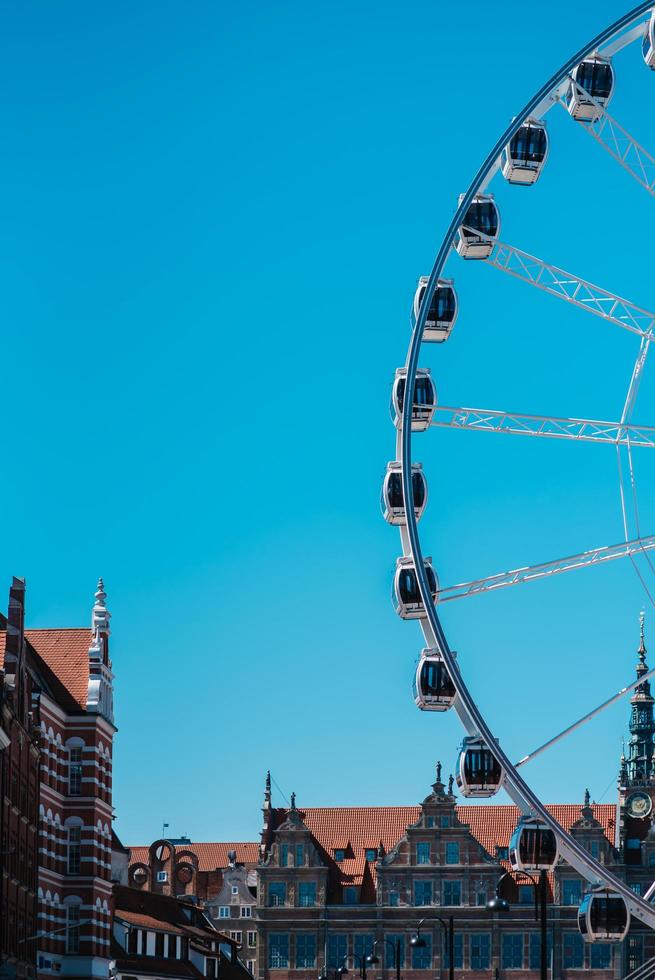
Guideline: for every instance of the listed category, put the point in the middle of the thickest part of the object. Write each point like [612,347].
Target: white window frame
[246,911]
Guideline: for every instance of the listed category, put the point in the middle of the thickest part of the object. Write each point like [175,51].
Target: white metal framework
[583,294]
[546,426]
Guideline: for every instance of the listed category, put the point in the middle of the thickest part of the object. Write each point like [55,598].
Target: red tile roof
[66,653]
[210,856]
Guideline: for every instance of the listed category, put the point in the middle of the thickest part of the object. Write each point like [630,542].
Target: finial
[268,780]
[100,617]
[438,772]
[451,780]
[642,644]
[587,797]
[293,801]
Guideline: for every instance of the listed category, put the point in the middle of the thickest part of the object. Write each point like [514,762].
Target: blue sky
[213,220]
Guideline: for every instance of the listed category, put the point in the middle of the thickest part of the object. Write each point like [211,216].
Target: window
[636,887]
[74,849]
[132,942]
[75,770]
[210,968]
[337,948]
[390,950]
[429,821]
[284,855]
[307,894]
[572,951]
[445,822]
[371,854]
[526,895]
[278,951]
[305,950]
[224,911]
[481,897]
[363,945]
[423,852]
[452,892]
[252,938]
[635,952]
[235,889]
[480,945]
[452,852]
[422,957]
[502,853]
[513,950]
[394,899]
[458,946]
[73,929]
[159,943]
[571,891]
[350,895]
[300,855]
[246,911]
[594,848]
[252,966]
[600,955]
[277,893]
[422,893]
[339,854]
[172,947]
[535,949]
[162,876]
[236,936]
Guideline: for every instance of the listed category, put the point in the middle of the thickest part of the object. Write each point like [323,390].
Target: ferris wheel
[583,87]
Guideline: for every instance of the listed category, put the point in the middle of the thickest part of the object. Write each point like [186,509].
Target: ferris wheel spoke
[585,718]
[618,142]
[567,286]
[530,573]
[545,426]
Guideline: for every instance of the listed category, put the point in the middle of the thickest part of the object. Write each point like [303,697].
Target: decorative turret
[642,728]
[100,694]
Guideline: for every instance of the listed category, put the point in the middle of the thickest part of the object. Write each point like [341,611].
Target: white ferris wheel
[583,87]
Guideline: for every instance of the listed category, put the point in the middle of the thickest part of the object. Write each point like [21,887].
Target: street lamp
[342,969]
[372,959]
[499,904]
[417,941]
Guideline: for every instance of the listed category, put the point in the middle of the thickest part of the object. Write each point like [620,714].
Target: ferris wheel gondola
[392,501]
[648,43]
[405,592]
[603,917]
[533,846]
[591,88]
[478,772]
[524,156]
[433,687]
[478,231]
[442,313]
[425,399]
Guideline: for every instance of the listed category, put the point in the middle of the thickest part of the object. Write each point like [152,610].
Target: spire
[293,801]
[642,644]
[100,691]
[267,790]
[642,726]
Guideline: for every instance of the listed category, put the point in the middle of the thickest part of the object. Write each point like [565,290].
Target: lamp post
[342,969]
[417,941]
[372,959]
[498,904]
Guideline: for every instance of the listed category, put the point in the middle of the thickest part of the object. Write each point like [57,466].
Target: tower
[640,763]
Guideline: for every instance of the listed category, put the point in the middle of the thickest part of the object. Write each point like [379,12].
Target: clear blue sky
[212,222]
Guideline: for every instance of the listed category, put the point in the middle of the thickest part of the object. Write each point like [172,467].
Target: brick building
[19,792]
[71,693]
[333,881]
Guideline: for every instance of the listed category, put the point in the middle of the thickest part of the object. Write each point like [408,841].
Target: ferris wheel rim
[464,704]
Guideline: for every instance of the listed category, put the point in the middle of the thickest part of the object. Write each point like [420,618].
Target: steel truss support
[597,556]
[574,290]
[620,145]
[546,426]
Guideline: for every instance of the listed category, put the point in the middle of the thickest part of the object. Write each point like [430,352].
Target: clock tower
[637,773]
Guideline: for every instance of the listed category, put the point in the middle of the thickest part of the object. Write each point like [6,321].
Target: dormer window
[371,854]
[235,889]
[339,854]
[350,896]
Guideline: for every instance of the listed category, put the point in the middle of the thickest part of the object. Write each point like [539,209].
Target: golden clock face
[639,805]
